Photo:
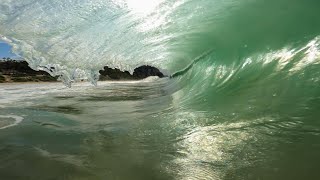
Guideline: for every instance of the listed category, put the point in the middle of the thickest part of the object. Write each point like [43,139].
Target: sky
[5,51]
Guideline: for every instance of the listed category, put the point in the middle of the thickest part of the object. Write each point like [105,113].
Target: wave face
[76,38]
[215,50]
[243,99]
[239,54]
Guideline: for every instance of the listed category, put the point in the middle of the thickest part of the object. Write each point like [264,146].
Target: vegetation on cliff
[19,71]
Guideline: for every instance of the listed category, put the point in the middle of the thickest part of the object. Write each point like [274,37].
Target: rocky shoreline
[19,71]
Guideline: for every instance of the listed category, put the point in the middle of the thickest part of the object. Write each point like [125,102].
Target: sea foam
[15,121]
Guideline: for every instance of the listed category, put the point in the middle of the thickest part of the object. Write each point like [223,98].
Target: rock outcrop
[19,71]
[139,73]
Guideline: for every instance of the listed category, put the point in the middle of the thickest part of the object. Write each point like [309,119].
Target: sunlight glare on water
[143,6]
[241,100]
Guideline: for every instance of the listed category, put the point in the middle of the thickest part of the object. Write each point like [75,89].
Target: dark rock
[2,79]
[114,74]
[19,71]
[139,73]
[146,71]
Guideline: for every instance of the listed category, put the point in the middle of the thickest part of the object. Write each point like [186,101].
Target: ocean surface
[241,100]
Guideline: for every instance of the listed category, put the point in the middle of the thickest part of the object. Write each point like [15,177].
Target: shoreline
[13,71]
[80,82]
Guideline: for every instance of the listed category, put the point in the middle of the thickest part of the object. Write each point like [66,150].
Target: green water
[139,131]
[242,102]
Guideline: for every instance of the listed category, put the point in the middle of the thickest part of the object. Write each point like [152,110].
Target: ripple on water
[7,121]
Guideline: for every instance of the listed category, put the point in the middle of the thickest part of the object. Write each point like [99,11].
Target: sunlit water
[243,101]
[136,130]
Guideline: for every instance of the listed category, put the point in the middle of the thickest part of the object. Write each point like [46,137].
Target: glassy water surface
[136,130]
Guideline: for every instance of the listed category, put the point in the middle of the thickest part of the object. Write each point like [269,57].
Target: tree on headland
[19,71]
[7,59]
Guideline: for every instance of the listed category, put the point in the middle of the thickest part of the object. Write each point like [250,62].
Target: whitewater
[240,101]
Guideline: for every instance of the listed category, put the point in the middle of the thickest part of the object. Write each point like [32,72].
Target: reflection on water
[137,131]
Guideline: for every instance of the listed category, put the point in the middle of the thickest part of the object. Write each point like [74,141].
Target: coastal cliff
[19,71]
